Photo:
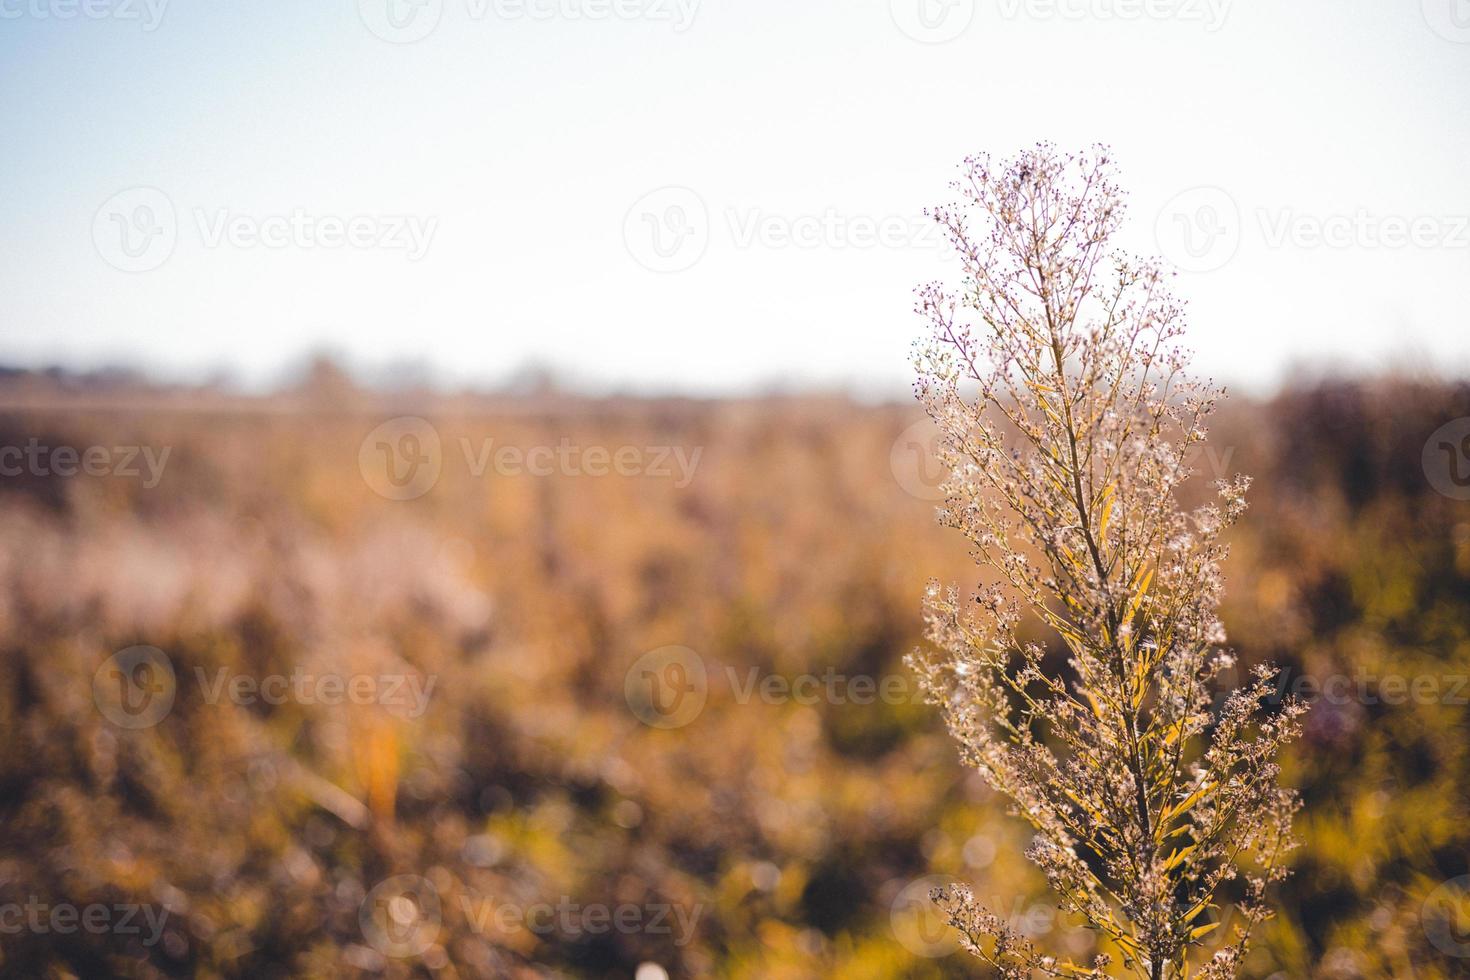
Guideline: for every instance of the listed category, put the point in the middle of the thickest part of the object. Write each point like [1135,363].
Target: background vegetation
[793,829]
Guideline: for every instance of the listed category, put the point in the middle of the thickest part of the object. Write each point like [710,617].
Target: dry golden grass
[783,831]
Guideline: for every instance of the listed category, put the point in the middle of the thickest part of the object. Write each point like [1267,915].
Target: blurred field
[776,837]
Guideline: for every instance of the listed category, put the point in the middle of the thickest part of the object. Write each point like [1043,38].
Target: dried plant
[1067,422]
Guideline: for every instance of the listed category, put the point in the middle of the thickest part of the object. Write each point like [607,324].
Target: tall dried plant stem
[1068,424]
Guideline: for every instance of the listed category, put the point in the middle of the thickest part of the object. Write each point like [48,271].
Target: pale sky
[704,195]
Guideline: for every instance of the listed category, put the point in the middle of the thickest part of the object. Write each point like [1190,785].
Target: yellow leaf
[1178,857]
[1139,592]
[1186,803]
[1107,513]
[1193,913]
